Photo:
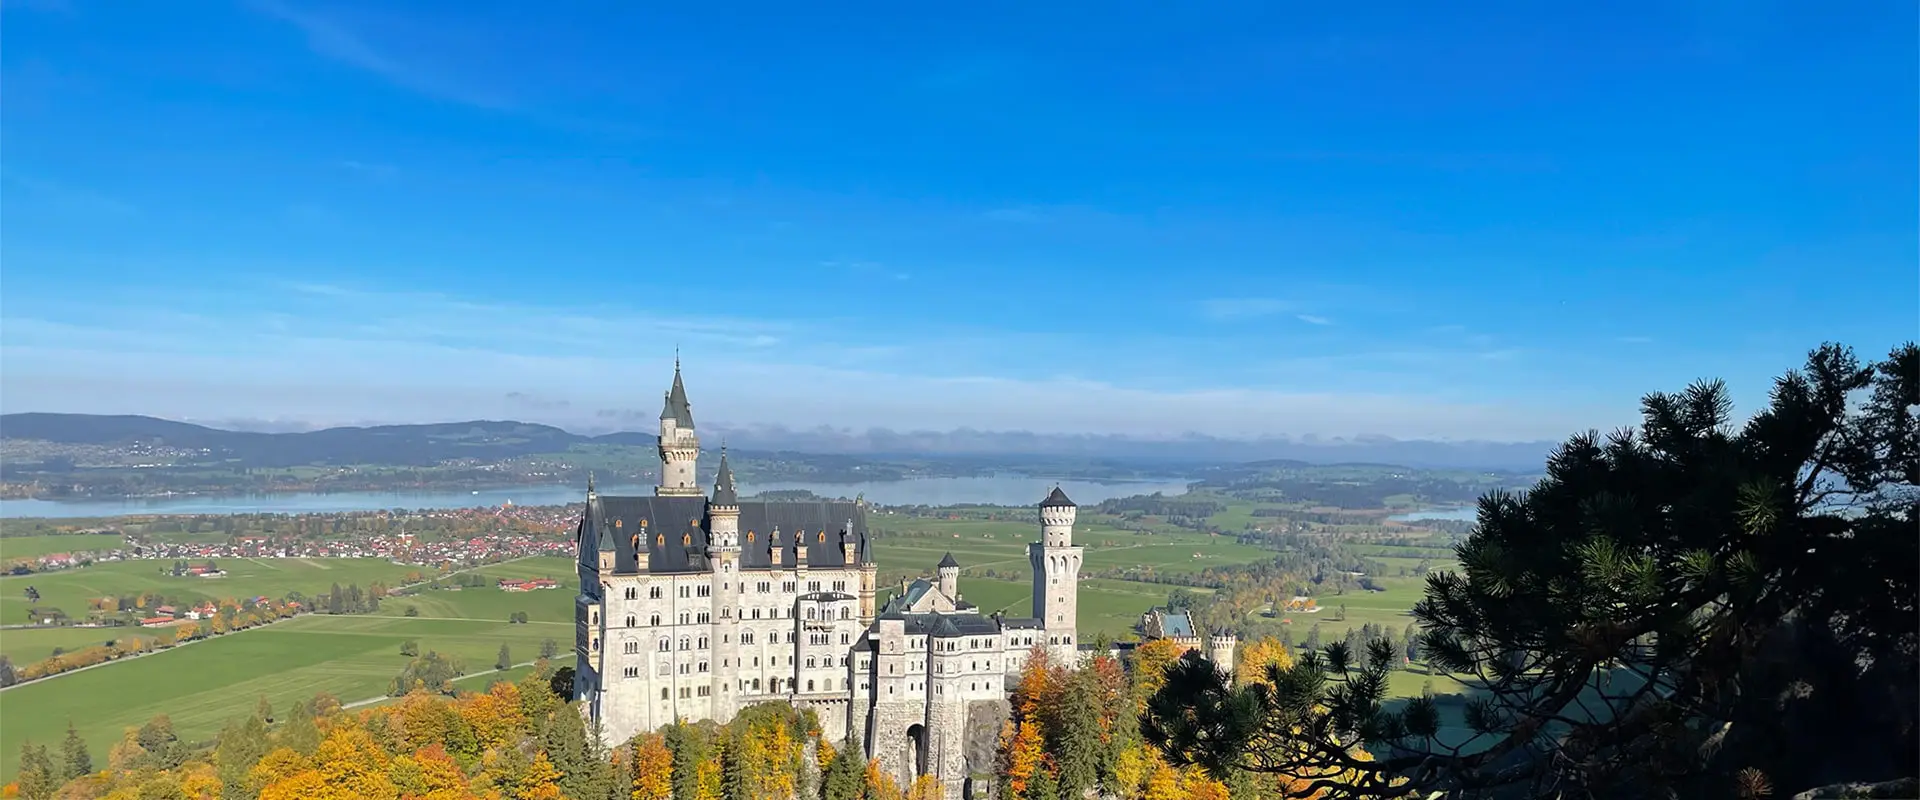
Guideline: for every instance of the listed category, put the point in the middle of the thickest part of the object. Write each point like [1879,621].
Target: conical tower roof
[1057,499]
[724,491]
[948,562]
[676,407]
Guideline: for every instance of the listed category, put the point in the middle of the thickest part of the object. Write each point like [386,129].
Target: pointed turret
[676,407]
[725,493]
[948,562]
[1058,499]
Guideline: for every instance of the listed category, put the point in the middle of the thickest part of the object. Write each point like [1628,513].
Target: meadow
[202,685]
[18,547]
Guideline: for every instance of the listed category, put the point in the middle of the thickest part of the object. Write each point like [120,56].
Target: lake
[1462,514]
[1005,490]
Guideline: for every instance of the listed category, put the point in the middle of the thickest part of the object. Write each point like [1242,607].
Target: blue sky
[1407,219]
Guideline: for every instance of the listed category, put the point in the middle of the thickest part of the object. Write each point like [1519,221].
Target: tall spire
[676,407]
[589,483]
[724,491]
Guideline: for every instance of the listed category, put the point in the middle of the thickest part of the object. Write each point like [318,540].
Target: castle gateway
[695,605]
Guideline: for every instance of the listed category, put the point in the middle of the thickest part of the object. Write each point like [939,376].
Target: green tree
[409,648]
[240,746]
[158,739]
[38,780]
[1692,609]
[845,776]
[300,732]
[74,758]
[505,660]
[584,769]
[690,749]
[1045,785]
[7,676]
[412,611]
[1073,733]
[549,648]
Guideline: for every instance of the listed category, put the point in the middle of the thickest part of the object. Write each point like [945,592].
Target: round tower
[949,575]
[1056,519]
[1220,651]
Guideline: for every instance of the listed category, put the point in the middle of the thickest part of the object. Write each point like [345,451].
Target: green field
[71,589]
[202,685]
[12,547]
[490,603]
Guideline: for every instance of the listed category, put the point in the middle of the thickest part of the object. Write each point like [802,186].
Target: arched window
[654,621]
[750,536]
[809,686]
[810,612]
[663,693]
[703,642]
[686,539]
[686,643]
[660,540]
[823,537]
[653,592]
[632,620]
[665,645]
[633,647]
[845,612]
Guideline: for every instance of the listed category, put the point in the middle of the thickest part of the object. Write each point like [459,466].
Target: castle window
[685,591]
[635,542]
[643,522]
[845,612]
[702,618]
[686,643]
[665,644]
[843,639]
[632,648]
[750,536]
[756,613]
[654,621]
[663,693]
[823,537]
[664,670]
[746,637]
[703,642]
[632,672]
[653,592]
[810,613]
[632,621]
[685,692]
[686,618]
[660,540]
[809,686]
[686,539]
[703,666]
[704,590]
[633,593]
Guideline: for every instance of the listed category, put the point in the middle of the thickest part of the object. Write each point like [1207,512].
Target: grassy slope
[12,547]
[202,685]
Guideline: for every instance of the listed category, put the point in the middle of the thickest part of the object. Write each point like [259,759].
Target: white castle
[692,607]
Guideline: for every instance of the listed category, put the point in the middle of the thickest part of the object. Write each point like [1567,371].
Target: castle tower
[949,574]
[723,557]
[1220,651]
[1056,577]
[679,447]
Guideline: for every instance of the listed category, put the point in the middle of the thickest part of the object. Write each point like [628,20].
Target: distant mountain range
[427,444]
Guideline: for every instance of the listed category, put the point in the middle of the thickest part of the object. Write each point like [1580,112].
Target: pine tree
[240,746]
[1045,786]
[38,780]
[301,733]
[505,660]
[75,760]
[843,779]
[1074,735]
[549,648]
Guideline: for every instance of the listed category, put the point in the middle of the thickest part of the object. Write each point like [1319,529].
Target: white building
[693,607]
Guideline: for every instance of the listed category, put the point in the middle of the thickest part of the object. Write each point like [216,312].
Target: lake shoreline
[1005,489]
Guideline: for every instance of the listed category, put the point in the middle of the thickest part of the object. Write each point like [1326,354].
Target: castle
[693,606]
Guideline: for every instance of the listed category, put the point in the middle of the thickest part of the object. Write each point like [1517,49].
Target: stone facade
[695,606]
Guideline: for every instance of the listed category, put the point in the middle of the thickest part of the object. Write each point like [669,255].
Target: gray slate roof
[1056,499]
[676,532]
[724,492]
[948,561]
[677,408]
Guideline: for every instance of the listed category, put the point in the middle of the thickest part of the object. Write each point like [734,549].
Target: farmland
[14,547]
[202,685]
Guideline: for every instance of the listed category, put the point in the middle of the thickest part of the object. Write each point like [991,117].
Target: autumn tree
[1258,658]
[925,787]
[1668,608]
[653,768]
[879,785]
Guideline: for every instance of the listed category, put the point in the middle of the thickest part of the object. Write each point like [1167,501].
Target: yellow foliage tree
[1201,787]
[1150,662]
[1163,783]
[1024,752]
[652,768]
[1256,657]
[880,785]
[1130,768]
[925,787]
[200,781]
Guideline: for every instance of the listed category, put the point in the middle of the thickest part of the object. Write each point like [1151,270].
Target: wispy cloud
[1226,308]
[1312,319]
[331,352]
[332,38]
